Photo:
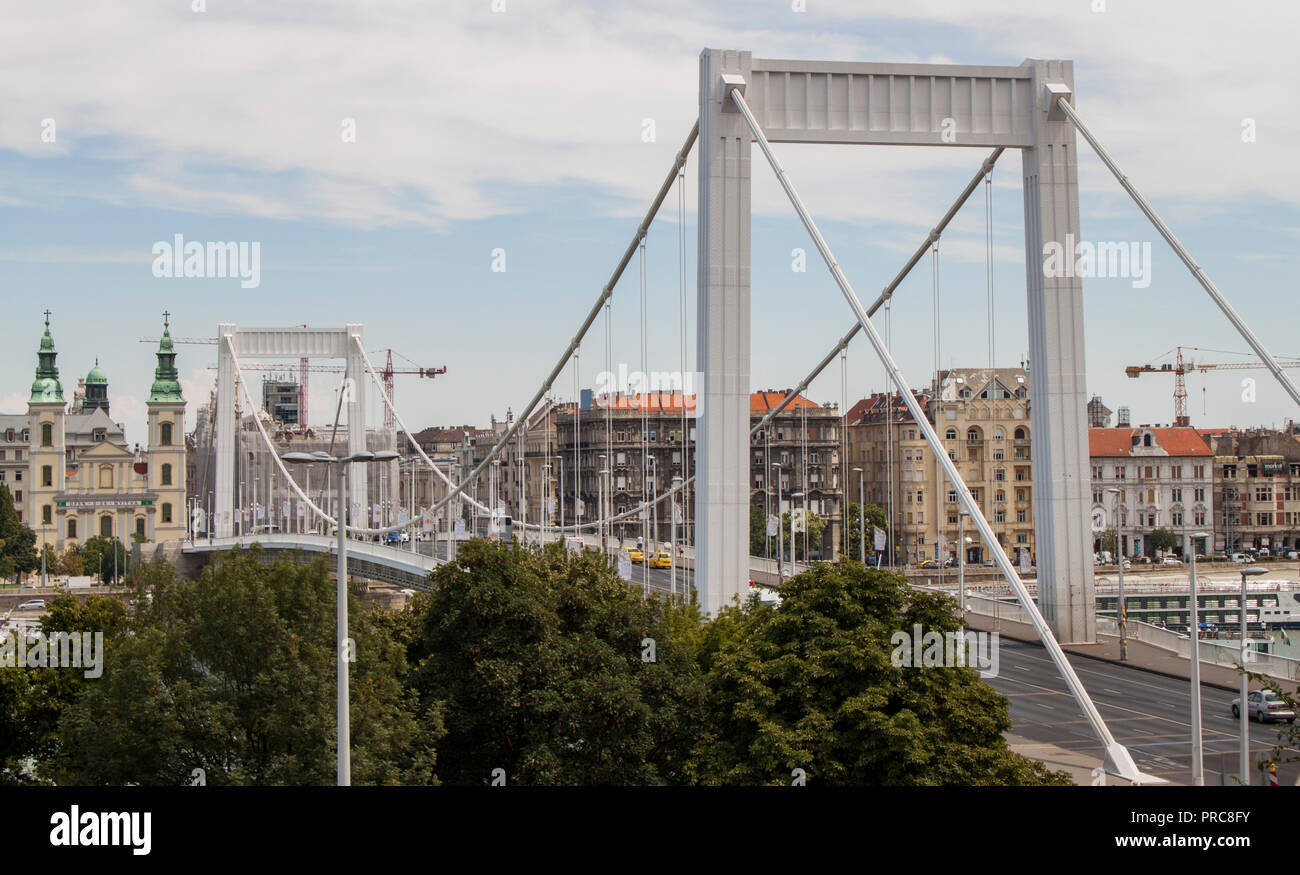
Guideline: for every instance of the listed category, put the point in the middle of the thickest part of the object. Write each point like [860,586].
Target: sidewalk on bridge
[1141,655]
[1080,765]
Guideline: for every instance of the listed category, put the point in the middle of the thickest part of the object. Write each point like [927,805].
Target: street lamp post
[962,541]
[672,519]
[1119,548]
[344,710]
[546,491]
[862,521]
[780,530]
[654,507]
[1194,634]
[1242,714]
[600,502]
[794,563]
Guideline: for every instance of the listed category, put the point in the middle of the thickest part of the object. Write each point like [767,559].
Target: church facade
[70,470]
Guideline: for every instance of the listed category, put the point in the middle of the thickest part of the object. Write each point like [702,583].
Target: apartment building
[981,416]
[1164,478]
[643,442]
[1256,488]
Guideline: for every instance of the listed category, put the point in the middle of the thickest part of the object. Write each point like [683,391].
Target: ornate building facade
[72,474]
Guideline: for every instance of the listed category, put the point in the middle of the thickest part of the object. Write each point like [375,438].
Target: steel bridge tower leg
[1058,411]
[722,344]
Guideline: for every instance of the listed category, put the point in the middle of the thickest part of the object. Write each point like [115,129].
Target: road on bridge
[659,579]
[1148,713]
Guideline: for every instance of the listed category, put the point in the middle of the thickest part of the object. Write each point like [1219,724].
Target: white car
[1169,560]
[1264,706]
[32,605]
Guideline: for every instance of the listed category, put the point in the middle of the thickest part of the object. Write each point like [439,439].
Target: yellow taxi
[662,559]
[635,554]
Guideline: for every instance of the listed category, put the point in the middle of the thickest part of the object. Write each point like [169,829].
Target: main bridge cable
[1201,276]
[888,292]
[1117,756]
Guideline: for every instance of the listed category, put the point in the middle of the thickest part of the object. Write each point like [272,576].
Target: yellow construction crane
[1181,367]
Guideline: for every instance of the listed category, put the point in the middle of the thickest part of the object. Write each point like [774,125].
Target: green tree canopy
[852,539]
[235,674]
[97,556]
[1163,540]
[810,685]
[540,660]
[17,541]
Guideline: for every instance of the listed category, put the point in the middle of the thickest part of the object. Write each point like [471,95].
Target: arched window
[1021,434]
[47,434]
[1146,440]
[72,527]
[972,434]
[166,475]
[139,525]
[106,526]
[165,434]
[998,434]
[951,434]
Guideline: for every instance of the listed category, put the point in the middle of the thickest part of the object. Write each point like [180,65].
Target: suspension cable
[605,293]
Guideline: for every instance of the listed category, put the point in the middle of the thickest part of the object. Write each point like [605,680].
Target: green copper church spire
[166,379]
[46,388]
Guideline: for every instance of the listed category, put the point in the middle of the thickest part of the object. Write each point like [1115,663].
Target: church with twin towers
[70,471]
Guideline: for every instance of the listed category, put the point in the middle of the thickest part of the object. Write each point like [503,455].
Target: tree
[551,668]
[73,562]
[34,700]
[757,530]
[17,541]
[811,685]
[852,538]
[51,556]
[816,525]
[98,558]
[1162,540]
[234,674]
[1110,542]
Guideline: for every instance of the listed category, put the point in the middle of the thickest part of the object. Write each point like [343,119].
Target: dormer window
[98,435]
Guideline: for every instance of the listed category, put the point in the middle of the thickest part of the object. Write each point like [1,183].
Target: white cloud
[461,113]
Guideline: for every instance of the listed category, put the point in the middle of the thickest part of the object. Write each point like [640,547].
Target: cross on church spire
[166,318]
[47,318]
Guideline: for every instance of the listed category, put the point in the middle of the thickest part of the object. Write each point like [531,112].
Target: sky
[383,155]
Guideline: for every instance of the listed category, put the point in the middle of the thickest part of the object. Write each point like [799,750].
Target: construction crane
[1181,367]
[388,373]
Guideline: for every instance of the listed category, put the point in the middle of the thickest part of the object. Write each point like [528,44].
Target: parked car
[1292,554]
[1264,706]
[1170,560]
[1242,558]
[32,605]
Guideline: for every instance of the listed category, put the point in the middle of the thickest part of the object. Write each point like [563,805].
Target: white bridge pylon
[235,343]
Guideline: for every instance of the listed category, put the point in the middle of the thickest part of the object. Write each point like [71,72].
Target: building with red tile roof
[1165,480]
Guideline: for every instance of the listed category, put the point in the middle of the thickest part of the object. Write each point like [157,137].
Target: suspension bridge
[746,102]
